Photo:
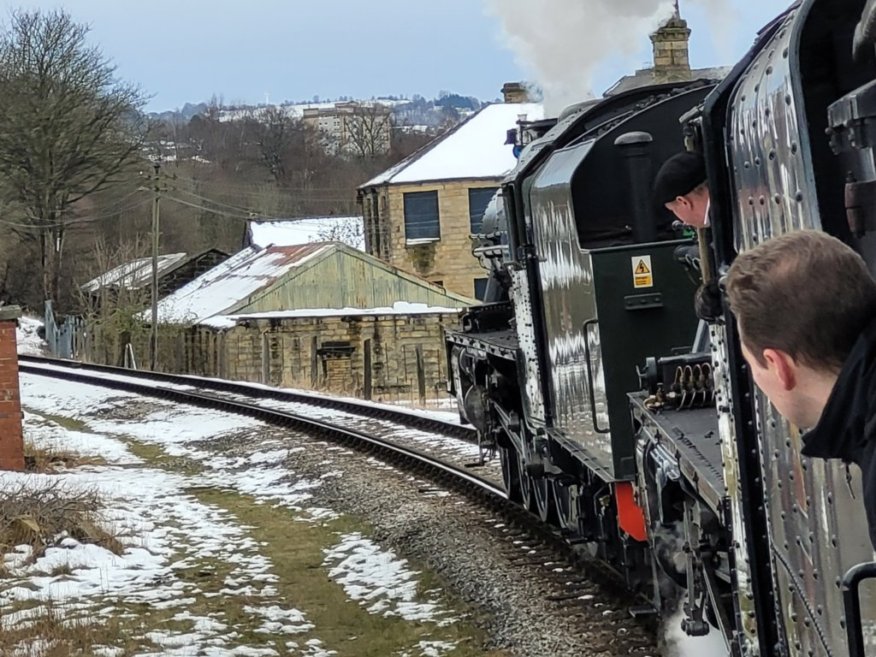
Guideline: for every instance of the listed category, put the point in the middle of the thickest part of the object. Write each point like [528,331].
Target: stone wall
[447,261]
[384,357]
[381,357]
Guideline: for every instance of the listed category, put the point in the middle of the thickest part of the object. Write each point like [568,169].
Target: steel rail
[363,408]
[272,416]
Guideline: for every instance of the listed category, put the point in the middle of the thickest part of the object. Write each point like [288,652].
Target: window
[478,200]
[421,216]
[480,288]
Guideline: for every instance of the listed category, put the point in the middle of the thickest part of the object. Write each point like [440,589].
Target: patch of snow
[29,342]
[135,274]
[397,308]
[232,282]
[474,149]
[307,230]
[379,580]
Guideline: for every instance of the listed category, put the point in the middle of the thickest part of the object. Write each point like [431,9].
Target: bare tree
[369,128]
[68,128]
[276,133]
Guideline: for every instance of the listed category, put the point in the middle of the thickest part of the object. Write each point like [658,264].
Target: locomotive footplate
[691,437]
[501,343]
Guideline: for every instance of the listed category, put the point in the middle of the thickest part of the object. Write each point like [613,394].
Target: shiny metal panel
[523,315]
[724,403]
[568,305]
[815,510]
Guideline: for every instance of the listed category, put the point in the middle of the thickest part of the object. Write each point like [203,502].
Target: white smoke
[676,643]
[560,43]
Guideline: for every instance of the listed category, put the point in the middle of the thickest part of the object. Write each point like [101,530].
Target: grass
[38,515]
[342,624]
[294,547]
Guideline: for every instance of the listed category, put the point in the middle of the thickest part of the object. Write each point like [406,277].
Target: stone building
[363,129]
[322,315]
[394,353]
[174,271]
[420,213]
[671,60]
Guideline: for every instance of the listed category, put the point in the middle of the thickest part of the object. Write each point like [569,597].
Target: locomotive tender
[618,418]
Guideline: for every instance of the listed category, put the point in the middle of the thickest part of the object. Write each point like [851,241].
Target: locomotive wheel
[543,492]
[526,493]
[566,516]
[510,472]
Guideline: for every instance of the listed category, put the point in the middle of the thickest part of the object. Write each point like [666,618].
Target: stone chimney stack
[515,92]
[671,50]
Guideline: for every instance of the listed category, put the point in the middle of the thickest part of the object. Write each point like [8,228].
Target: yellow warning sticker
[643,274]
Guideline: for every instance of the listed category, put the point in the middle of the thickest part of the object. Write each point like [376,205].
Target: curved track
[574,588]
[178,388]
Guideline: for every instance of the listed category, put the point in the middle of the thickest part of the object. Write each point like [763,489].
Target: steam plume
[561,42]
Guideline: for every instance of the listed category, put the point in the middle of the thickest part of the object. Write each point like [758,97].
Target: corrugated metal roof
[133,275]
[244,274]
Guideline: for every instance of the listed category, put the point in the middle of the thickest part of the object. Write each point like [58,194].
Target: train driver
[805,305]
[681,187]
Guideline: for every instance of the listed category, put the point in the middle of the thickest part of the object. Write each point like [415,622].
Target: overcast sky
[247,50]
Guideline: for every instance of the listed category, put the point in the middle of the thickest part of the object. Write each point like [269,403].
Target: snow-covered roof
[398,308]
[476,148]
[233,281]
[134,274]
[290,232]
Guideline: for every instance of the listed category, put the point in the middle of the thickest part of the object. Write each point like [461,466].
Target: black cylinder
[635,147]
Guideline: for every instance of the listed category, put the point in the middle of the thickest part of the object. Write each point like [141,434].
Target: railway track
[447,467]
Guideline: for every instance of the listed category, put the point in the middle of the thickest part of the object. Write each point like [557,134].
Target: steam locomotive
[617,416]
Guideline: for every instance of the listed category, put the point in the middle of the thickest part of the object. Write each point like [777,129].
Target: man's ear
[782,366]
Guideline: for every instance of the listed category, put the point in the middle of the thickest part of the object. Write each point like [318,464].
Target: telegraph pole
[153,342]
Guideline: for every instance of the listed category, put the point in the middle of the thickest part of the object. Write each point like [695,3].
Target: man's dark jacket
[847,428]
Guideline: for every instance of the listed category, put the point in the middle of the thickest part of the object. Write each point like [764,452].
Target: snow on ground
[378,579]
[26,335]
[167,533]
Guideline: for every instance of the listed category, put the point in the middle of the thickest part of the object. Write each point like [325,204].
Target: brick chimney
[671,50]
[11,439]
[515,92]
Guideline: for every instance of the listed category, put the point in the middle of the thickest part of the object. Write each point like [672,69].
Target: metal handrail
[852,601]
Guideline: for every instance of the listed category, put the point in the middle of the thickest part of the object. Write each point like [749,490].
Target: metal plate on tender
[814,507]
[533,397]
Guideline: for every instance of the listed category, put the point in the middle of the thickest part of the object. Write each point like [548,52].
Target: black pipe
[635,147]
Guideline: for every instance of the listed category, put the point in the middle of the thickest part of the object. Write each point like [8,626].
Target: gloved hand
[689,256]
[707,302]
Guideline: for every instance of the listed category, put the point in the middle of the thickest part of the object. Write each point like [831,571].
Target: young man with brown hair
[805,305]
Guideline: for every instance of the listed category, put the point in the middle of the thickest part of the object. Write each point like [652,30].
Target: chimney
[515,92]
[671,56]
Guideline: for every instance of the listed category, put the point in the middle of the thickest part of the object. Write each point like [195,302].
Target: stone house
[420,213]
[324,316]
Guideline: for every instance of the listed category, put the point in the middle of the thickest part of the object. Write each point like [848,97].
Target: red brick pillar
[11,439]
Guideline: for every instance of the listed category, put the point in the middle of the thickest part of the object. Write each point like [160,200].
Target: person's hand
[707,302]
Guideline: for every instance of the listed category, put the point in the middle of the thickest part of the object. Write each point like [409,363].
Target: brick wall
[11,442]
[448,260]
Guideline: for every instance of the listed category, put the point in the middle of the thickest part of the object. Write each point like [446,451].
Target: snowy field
[198,573]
